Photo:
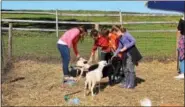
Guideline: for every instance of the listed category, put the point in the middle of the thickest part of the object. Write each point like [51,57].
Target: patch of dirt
[41,86]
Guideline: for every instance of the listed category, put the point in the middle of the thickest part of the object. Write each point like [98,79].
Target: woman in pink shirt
[69,39]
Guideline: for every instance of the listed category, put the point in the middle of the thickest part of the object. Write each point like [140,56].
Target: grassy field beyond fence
[43,44]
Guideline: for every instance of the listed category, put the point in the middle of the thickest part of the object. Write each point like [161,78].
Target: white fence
[100,23]
[93,23]
[56,13]
[52,30]
[69,14]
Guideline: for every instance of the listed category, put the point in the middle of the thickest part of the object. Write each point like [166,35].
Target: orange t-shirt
[113,41]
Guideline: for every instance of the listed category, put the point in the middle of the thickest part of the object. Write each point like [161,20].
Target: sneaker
[72,79]
[130,87]
[180,76]
[123,86]
[68,83]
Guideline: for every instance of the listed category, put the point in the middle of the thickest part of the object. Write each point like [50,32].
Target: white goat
[93,76]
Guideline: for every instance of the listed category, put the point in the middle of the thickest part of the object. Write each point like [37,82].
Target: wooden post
[56,23]
[120,17]
[97,26]
[10,43]
[97,52]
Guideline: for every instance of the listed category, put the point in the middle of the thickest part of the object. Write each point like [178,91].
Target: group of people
[115,42]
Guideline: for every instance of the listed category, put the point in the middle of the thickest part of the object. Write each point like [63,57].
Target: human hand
[78,56]
[123,49]
[113,56]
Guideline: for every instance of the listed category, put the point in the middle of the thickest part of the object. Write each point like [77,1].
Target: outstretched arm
[75,42]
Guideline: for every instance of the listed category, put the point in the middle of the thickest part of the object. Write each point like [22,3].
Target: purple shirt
[127,40]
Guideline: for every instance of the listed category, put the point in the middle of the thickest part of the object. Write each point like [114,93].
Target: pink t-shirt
[69,35]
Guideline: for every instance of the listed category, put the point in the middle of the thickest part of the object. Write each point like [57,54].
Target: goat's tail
[146,102]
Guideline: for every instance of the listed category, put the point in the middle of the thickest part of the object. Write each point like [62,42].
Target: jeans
[181,65]
[65,55]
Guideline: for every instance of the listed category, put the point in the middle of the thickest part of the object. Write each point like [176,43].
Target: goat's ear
[85,62]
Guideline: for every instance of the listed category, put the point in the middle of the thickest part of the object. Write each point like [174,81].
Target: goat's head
[81,62]
[102,63]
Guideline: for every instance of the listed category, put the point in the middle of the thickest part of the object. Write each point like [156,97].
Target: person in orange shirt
[113,41]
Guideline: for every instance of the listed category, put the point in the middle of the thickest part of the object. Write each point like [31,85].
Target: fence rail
[101,23]
[70,14]
[53,30]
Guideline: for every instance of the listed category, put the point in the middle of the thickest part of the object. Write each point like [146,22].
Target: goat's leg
[92,88]
[86,83]
[99,87]
[82,70]
[77,71]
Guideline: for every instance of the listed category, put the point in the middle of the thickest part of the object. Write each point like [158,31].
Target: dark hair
[105,32]
[82,29]
[94,33]
[118,27]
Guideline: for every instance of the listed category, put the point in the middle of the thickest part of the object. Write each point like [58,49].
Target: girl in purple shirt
[130,55]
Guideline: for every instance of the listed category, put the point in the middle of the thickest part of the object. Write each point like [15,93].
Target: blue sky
[124,6]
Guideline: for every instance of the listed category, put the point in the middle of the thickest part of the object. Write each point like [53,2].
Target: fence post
[10,43]
[56,23]
[97,26]
[97,52]
[120,17]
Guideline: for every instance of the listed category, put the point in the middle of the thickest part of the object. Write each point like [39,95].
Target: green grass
[43,44]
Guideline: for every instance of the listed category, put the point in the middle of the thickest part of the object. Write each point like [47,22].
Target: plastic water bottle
[74,101]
